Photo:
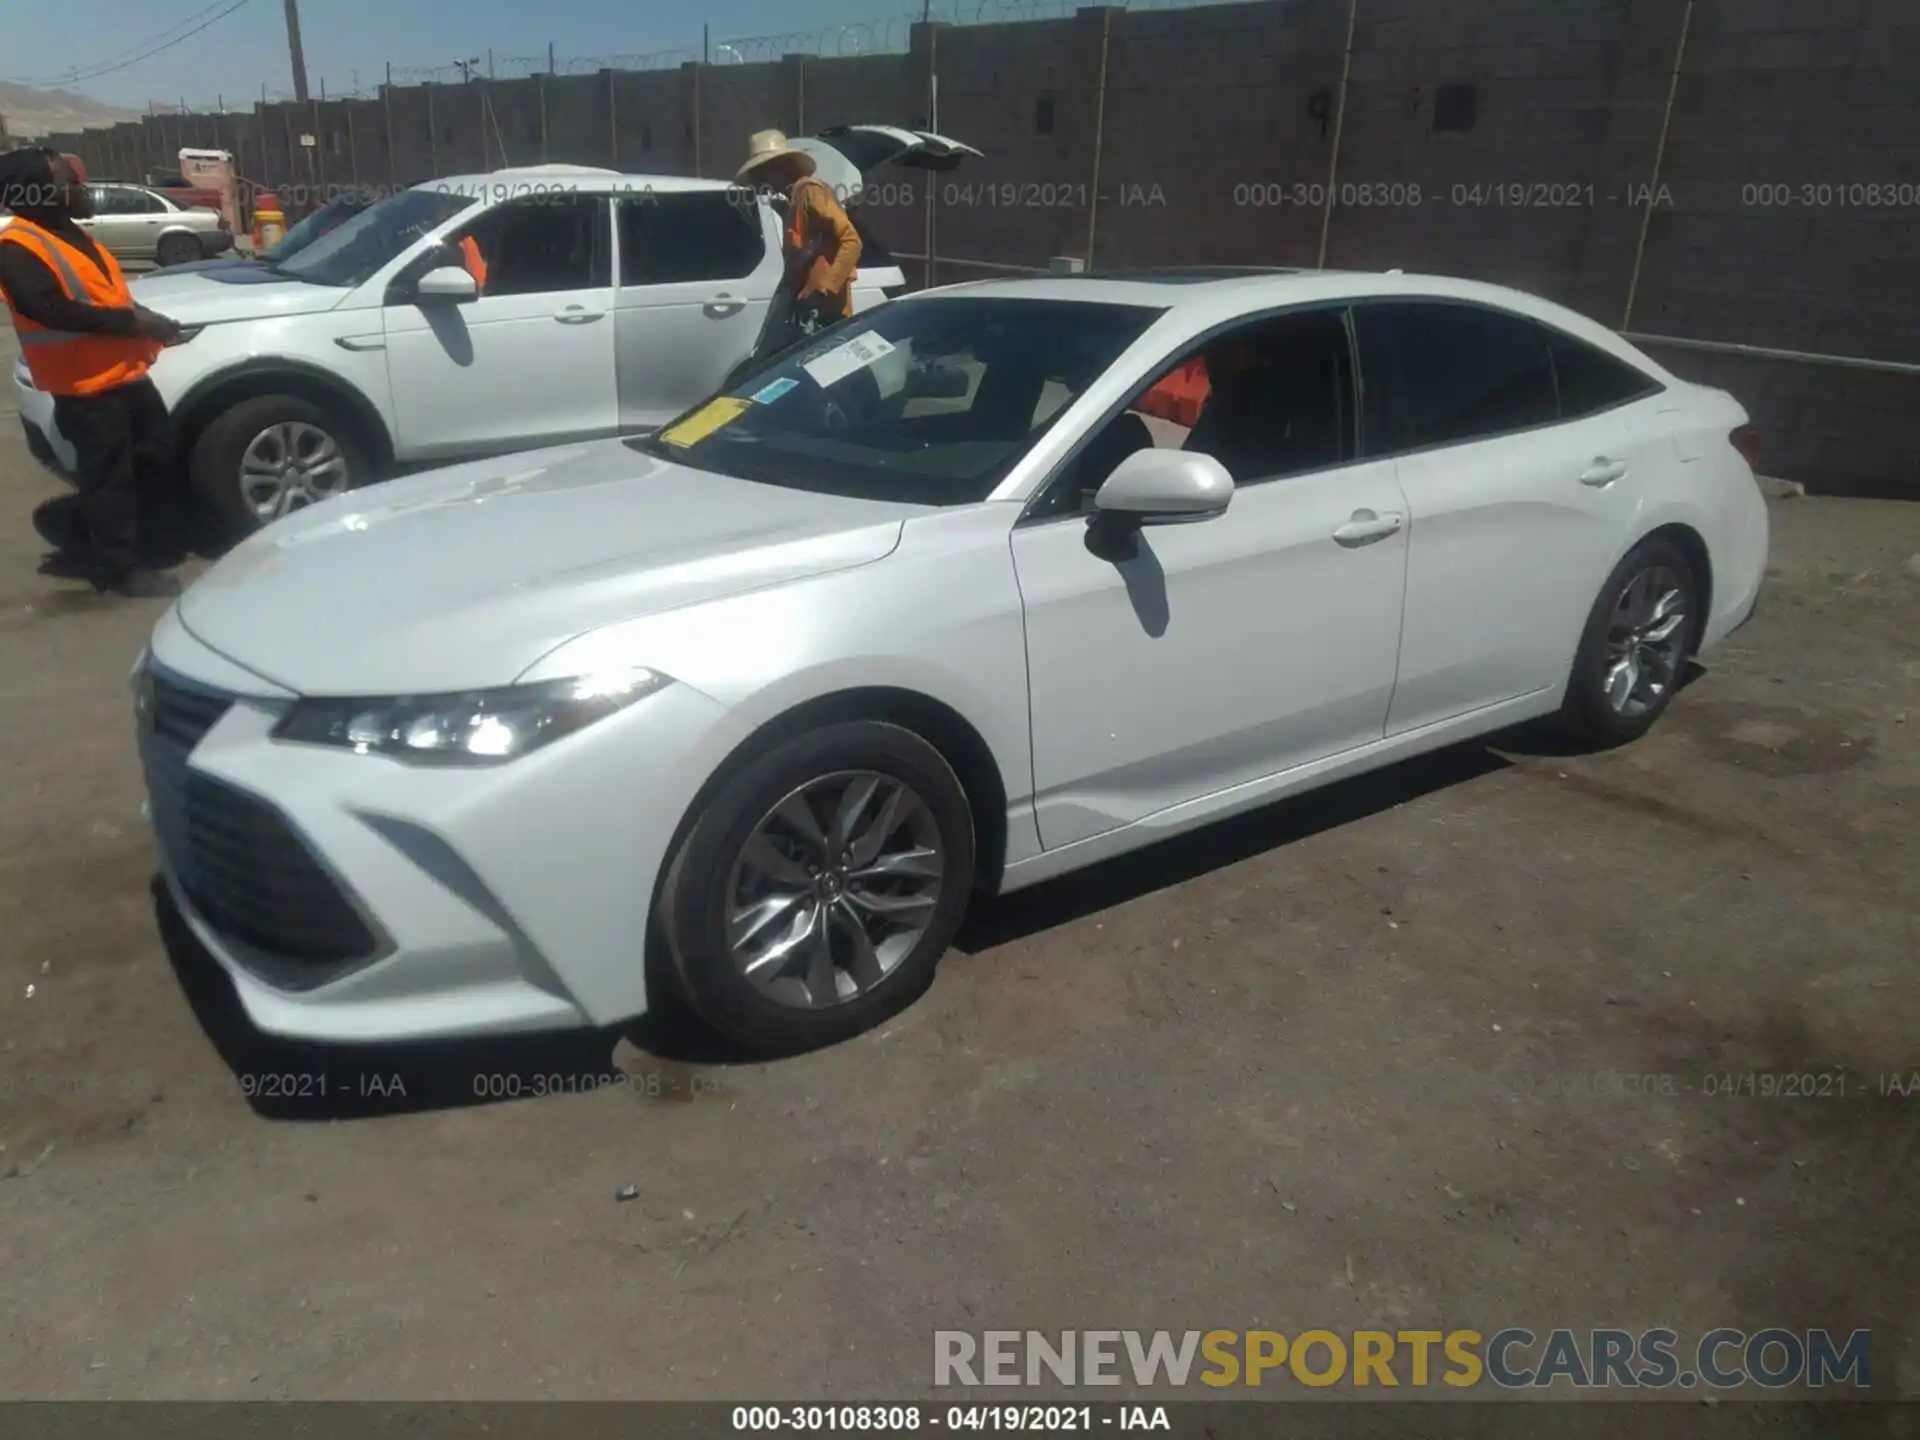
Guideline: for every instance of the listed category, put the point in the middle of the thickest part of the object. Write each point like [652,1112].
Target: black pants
[123,442]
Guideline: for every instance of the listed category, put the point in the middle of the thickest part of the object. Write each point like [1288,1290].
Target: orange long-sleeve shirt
[819,217]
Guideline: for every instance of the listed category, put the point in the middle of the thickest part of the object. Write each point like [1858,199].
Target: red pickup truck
[171,184]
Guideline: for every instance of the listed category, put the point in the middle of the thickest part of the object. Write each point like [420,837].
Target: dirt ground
[1357,1061]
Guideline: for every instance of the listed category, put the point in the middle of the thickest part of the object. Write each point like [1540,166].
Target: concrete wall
[1190,136]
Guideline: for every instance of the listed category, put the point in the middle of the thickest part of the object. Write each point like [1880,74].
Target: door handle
[1604,472]
[724,304]
[579,315]
[1366,527]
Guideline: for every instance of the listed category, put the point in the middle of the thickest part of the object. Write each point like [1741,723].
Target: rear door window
[1440,373]
[1590,380]
[675,238]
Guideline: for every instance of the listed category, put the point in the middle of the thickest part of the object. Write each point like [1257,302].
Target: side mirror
[1164,487]
[447,283]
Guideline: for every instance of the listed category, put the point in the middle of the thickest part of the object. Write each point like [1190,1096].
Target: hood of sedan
[463,578]
[220,293]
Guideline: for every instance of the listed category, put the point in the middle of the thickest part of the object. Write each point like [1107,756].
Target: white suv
[611,303]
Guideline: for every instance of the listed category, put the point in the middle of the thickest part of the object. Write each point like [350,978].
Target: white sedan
[948,603]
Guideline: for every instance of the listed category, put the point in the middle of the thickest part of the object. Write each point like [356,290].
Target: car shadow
[669,1054]
[1004,919]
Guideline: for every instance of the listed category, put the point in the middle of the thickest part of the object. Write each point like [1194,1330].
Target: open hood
[844,154]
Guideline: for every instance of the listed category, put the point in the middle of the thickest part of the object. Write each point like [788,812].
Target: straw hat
[766,145]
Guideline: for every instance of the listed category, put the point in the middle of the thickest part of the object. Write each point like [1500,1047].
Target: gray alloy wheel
[1646,640]
[291,465]
[1637,644]
[833,888]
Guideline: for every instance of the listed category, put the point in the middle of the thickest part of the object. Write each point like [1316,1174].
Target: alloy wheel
[1646,639]
[289,466]
[833,888]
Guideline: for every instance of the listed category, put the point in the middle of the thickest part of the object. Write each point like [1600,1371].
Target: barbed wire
[888,35]
[651,60]
[864,37]
[425,74]
[894,35]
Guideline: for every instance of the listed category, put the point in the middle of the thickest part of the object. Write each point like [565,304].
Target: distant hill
[30,114]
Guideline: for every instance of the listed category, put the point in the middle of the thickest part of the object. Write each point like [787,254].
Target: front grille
[236,857]
[254,879]
[182,717]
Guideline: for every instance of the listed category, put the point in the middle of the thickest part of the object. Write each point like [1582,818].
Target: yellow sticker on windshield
[722,410]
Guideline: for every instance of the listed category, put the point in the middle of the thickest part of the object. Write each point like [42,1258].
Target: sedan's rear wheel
[1640,634]
[814,894]
[177,250]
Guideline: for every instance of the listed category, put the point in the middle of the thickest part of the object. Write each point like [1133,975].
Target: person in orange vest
[822,247]
[89,345]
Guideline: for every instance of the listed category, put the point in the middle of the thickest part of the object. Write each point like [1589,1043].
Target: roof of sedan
[1197,297]
[591,177]
[1235,289]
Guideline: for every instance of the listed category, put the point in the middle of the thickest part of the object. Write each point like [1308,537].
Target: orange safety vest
[475,262]
[62,362]
[822,265]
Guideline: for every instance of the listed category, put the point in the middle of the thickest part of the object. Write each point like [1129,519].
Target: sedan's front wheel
[1640,634]
[814,894]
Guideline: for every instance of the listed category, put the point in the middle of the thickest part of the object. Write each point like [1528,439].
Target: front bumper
[493,900]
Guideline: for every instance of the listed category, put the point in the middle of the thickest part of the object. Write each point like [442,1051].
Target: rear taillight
[1746,440]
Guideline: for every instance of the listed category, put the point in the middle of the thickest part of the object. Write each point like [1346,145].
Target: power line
[72,77]
[119,55]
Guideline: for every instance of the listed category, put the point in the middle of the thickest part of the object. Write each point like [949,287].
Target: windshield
[351,254]
[324,220]
[928,401]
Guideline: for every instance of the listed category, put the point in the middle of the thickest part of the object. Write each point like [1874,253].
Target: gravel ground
[1352,1062]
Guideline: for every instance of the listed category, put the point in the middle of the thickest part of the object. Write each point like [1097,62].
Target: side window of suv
[695,235]
[1269,399]
[1438,373]
[1590,381]
[543,245]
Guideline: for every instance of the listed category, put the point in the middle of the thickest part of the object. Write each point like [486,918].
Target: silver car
[136,223]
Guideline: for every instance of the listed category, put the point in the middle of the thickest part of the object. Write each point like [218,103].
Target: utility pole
[299,55]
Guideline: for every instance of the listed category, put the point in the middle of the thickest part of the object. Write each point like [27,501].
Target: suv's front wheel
[272,455]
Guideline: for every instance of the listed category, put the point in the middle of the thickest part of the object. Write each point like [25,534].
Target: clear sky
[42,42]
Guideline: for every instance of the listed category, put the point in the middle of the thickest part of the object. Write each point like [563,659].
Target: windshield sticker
[843,360]
[718,412]
[771,392]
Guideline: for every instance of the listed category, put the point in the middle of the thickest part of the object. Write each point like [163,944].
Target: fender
[246,378]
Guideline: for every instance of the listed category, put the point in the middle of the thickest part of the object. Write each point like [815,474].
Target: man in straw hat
[822,247]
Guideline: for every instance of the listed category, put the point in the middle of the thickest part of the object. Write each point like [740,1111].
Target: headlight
[481,727]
